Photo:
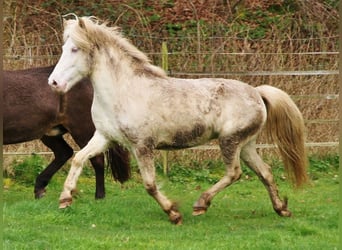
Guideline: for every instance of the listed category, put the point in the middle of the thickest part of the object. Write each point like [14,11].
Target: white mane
[89,34]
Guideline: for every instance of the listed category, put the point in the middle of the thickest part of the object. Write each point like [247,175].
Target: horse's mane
[89,33]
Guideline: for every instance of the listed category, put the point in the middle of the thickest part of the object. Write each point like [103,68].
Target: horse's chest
[104,120]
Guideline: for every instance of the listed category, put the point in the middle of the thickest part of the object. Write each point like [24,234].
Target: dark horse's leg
[98,164]
[62,152]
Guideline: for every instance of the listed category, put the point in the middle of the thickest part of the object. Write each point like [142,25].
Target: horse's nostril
[52,82]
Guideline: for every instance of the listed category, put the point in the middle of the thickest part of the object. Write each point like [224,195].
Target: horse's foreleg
[95,146]
[250,156]
[145,161]
[230,152]
[81,137]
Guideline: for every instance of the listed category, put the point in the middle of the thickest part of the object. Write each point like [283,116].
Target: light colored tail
[285,127]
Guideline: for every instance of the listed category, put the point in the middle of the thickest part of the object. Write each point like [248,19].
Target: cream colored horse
[137,105]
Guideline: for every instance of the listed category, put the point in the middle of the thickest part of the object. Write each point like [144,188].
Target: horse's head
[74,63]
[88,43]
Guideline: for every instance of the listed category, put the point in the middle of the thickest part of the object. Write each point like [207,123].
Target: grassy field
[240,217]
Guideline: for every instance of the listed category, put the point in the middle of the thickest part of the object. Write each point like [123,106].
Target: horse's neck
[109,81]
[116,84]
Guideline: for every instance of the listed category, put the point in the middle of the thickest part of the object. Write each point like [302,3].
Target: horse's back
[221,99]
[232,104]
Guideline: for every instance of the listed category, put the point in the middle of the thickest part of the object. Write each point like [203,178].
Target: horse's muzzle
[60,88]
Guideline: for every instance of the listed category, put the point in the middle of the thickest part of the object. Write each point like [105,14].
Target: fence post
[165,66]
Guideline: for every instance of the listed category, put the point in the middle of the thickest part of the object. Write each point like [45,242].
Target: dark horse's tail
[118,160]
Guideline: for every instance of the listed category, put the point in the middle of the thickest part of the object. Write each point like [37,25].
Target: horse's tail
[118,160]
[285,127]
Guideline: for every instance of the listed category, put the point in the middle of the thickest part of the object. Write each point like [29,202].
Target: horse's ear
[81,23]
[64,22]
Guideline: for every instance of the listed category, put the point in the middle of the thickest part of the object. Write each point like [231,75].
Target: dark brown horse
[31,110]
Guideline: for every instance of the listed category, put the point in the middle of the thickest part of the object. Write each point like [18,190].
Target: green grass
[240,217]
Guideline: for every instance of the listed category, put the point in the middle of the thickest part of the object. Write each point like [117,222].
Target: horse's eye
[74,49]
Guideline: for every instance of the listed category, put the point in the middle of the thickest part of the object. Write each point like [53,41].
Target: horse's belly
[185,137]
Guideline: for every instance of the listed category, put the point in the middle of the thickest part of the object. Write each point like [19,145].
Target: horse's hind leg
[62,152]
[230,151]
[144,156]
[98,163]
[250,156]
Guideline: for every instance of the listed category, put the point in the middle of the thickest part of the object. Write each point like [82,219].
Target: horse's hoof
[201,206]
[176,218]
[199,211]
[285,213]
[64,203]
[99,196]
[40,193]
